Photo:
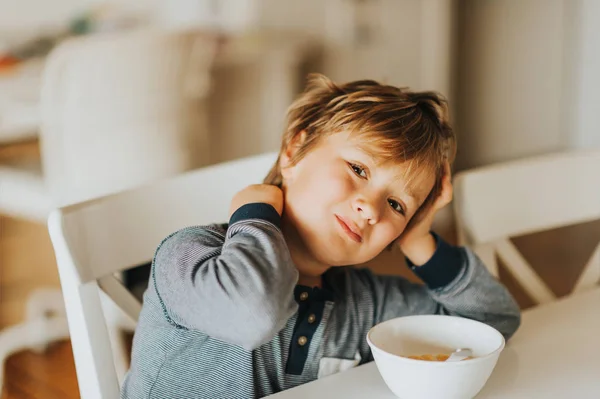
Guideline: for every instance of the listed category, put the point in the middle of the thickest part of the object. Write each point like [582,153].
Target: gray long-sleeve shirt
[224,318]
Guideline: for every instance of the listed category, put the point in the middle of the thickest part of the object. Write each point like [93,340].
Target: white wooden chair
[117,111]
[496,202]
[94,240]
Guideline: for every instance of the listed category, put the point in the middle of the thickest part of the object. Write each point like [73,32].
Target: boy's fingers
[443,199]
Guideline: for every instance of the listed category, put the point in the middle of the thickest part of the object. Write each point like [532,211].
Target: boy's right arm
[237,287]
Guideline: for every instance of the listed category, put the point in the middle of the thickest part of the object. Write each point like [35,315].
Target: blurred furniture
[117,111]
[94,240]
[555,354]
[122,110]
[19,103]
[255,77]
[510,199]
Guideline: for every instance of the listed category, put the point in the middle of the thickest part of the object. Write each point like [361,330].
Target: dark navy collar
[325,293]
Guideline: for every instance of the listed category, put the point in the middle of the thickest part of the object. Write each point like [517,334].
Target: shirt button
[304,296]
[302,340]
[311,318]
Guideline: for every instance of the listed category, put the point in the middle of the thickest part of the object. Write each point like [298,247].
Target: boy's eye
[396,206]
[359,170]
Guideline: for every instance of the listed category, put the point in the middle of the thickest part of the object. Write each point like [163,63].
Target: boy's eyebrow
[373,158]
[407,188]
[378,160]
[409,192]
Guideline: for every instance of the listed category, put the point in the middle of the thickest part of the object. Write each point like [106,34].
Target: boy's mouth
[350,228]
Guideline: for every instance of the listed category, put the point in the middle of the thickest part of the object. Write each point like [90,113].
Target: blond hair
[393,124]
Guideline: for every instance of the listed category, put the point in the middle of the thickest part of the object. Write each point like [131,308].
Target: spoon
[460,354]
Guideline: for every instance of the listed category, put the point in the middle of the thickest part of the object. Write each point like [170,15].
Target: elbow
[510,324]
[266,313]
[258,336]
[265,323]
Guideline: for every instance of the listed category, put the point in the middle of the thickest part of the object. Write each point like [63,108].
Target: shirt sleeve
[456,283]
[236,286]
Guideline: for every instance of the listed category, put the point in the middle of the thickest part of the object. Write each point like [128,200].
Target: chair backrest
[122,109]
[95,239]
[506,200]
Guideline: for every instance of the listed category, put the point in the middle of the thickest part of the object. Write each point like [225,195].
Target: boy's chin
[340,258]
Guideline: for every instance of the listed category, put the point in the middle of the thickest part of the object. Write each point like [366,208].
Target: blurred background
[83,114]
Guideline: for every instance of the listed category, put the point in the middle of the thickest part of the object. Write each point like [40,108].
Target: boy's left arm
[457,282]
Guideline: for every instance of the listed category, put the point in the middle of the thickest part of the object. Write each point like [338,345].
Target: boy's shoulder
[212,233]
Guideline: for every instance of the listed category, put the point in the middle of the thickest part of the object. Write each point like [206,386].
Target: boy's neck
[309,269]
[310,281]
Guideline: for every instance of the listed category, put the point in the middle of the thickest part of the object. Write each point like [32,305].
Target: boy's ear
[287,155]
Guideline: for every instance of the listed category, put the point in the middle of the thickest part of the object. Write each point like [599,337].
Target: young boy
[265,302]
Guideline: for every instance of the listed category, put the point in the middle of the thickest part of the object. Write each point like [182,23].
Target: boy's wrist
[258,193]
[420,250]
[443,267]
[257,210]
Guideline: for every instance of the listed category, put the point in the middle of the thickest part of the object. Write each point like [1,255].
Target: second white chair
[496,202]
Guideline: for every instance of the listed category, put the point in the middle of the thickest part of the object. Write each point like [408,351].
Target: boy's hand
[264,193]
[416,242]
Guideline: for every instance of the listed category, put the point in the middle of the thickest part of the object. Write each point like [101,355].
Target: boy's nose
[366,210]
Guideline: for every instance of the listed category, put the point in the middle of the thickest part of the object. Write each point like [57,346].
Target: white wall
[528,78]
[19,14]
[408,42]
[583,124]
[510,79]
[307,16]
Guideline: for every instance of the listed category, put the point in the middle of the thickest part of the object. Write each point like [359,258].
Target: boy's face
[345,207]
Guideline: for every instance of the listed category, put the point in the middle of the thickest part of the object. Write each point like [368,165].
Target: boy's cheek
[336,185]
[395,235]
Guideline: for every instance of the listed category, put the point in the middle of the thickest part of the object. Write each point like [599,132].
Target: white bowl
[394,339]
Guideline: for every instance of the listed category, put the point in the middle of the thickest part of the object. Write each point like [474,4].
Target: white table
[554,355]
